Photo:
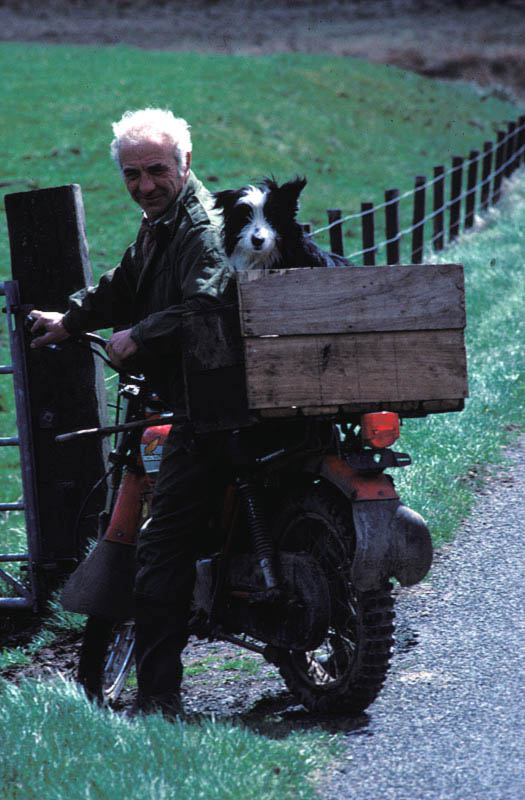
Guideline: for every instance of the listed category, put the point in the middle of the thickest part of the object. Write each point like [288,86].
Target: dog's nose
[257,241]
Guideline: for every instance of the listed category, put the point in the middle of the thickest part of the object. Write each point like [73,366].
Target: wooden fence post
[392,225]
[438,237]
[516,146]
[498,168]
[456,180]
[486,173]
[336,233]
[368,233]
[472,177]
[510,149]
[521,139]
[418,219]
[50,260]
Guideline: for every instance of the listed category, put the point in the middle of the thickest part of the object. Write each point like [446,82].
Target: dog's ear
[290,192]
[225,199]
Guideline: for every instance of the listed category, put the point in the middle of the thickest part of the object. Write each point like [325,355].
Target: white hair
[154,124]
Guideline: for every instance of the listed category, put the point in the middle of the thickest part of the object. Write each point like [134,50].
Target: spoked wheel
[106,658]
[347,671]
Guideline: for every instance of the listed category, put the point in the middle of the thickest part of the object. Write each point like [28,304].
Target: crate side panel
[353,368]
[352,299]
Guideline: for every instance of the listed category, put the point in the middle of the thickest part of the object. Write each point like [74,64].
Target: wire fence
[457,195]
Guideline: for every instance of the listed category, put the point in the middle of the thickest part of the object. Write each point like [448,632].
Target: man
[176,265]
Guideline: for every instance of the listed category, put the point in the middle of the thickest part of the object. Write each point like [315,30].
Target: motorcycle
[307,536]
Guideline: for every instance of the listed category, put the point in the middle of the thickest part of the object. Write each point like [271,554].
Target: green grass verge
[352,127]
[452,451]
[56,745]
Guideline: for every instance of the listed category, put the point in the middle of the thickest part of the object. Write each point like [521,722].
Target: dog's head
[257,218]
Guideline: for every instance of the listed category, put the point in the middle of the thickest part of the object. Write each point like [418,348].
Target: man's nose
[146,183]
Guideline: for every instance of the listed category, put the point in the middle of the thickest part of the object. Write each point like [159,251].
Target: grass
[59,745]
[55,621]
[451,451]
[354,129]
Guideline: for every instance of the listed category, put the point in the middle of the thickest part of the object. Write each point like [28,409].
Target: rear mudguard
[391,539]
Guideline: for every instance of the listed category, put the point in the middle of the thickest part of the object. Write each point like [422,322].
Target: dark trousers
[189,482]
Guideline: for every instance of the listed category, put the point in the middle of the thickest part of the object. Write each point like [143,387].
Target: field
[60,102]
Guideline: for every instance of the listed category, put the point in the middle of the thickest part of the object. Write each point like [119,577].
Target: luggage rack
[22,596]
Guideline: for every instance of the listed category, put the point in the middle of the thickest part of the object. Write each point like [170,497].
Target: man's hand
[120,347]
[49,323]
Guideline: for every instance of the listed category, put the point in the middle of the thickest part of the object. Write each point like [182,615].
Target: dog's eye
[272,212]
[243,215]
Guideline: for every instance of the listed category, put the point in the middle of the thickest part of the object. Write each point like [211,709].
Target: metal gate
[23,595]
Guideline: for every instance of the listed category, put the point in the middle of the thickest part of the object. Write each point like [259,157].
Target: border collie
[261,230]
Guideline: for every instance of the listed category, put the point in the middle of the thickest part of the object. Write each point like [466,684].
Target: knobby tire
[106,658]
[346,673]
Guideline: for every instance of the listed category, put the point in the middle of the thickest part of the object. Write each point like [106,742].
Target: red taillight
[380,429]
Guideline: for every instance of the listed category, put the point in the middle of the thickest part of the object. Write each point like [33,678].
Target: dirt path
[443,39]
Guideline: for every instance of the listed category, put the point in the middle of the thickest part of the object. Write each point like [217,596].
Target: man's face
[151,175]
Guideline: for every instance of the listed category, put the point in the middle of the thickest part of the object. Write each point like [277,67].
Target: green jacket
[186,270]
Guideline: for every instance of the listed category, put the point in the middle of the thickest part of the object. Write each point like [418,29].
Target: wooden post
[472,177]
[498,168]
[456,180]
[392,226]
[336,233]
[510,149]
[515,146]
[486,173]
[368,233]
[50,260]
[438,237]
[521,140]
[418,224]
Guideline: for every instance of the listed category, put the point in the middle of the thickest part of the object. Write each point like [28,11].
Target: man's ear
[188,165]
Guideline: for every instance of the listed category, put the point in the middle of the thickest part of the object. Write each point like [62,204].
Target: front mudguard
[392,540]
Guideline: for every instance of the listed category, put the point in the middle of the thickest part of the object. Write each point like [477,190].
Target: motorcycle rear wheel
[106,658]
[346,672]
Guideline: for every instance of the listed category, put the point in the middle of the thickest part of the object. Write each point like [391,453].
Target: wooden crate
[356,337]
[334,341]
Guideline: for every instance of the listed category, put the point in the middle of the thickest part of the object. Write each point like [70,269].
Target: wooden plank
[407,408]
[351,299]
[278,413]
[353,368]
[319,411]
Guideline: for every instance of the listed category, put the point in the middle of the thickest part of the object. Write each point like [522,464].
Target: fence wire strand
[496,172]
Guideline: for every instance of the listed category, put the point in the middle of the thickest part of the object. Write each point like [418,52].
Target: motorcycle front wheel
[346,672]
[106,658]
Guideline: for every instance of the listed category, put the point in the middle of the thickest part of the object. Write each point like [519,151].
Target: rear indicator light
[380,429]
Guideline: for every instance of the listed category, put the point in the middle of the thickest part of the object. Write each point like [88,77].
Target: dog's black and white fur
[261,229]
